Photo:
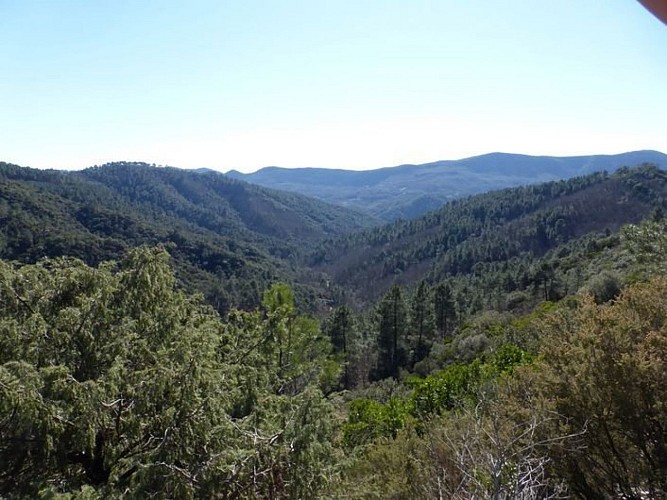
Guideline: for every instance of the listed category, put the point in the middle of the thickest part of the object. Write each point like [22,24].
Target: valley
[333,250]
[320,325]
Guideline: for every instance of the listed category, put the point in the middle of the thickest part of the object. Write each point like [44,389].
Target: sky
[350,84]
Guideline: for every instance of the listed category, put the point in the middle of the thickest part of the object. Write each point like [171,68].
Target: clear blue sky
[352,84]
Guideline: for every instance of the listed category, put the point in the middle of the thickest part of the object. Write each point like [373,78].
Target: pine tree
[340,330]
[422,323]
[391,322]
[445,309]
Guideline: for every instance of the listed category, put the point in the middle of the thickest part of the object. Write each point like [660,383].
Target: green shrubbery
[113,382]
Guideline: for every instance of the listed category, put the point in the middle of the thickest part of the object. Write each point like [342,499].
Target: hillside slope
[228,238]
[408,191]
[225,205]
[495,227]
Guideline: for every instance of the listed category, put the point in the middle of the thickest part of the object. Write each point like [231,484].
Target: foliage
[421,323]
[450,389]
[491,448]
[647,245]
[496,237]
[229,240]
[604,367]
[444,309]
[115,382]
[112,381]
[457,385]
[391,336]
[369,420]
[341,330]
[604,287]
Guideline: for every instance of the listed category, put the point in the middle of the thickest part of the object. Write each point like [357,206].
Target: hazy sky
[352,84]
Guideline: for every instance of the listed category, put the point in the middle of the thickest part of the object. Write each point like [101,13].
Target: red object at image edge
[657,7]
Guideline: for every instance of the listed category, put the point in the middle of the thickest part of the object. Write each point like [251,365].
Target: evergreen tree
[280,310]
[106,379]
[422,323]
[391,323]
[340,328]
[646,244]
[445,309]
[113,381]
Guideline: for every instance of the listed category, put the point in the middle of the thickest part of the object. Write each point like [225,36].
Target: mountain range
[228,238]
[407,191]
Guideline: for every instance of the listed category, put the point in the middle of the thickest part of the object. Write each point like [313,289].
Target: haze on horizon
[341,84]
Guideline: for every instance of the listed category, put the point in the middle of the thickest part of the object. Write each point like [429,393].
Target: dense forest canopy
[490,231]
[113,381]
[219,230]
[177,334]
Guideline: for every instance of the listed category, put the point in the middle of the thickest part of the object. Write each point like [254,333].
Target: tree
[605,368]
[340,329]
[112,380]
[647,245]
[489,438]
[545,280]
[493,451]
[422,323]
[280,310]
[391,322]
[604,287]
[300,350]
[445,309]
[106,379]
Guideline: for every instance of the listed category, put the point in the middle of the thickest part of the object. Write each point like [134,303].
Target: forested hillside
[226,206]
[484,232]
[229,239]
[408,191]
[508,345]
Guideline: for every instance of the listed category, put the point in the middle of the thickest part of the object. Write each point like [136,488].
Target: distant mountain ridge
[407,191]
